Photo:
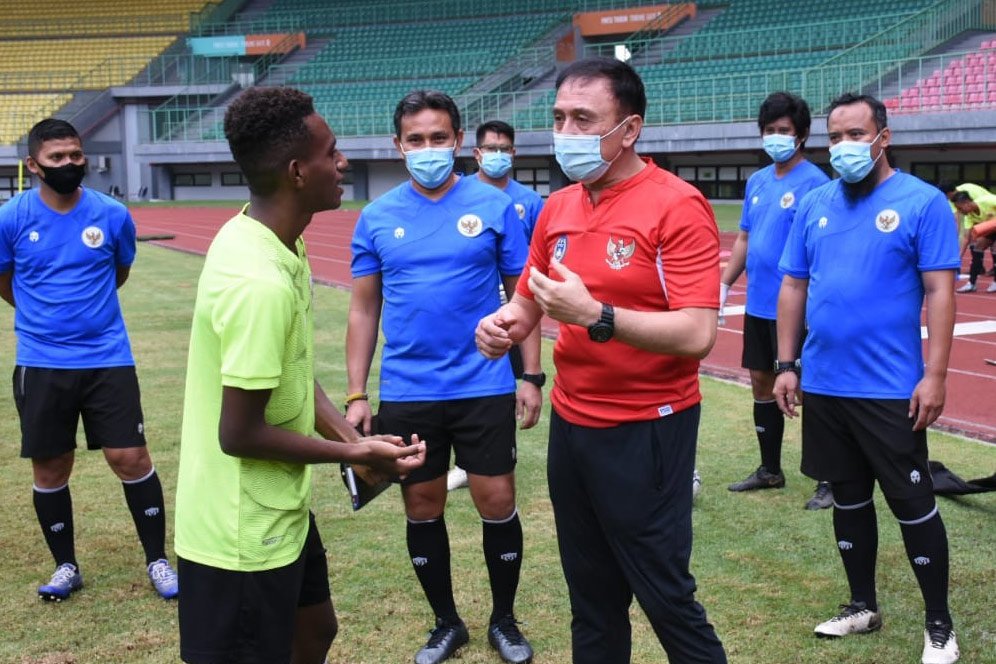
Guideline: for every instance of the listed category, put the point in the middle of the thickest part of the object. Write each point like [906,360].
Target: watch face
[600,332]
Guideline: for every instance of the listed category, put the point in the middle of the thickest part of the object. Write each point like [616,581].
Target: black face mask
[64,179]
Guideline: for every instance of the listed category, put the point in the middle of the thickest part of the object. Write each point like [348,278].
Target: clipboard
[361,484]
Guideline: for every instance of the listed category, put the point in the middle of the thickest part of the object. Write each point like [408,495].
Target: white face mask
[580,155]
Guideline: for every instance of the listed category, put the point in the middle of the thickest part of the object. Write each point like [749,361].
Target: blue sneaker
[164,579]
[66,580]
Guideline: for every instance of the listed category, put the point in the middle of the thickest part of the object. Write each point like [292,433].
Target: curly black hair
[265,129]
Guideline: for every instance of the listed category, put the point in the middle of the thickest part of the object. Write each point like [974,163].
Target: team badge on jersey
[470,225]
[788,200]
[399,233]
[92,237]
[887,221]
[753,201]
[521,210]
[822,223]
[560,248]
[619,251]
[33,236]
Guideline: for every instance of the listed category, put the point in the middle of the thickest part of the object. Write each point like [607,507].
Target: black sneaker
[443,642]
[505,637]
[759,479]
[822,499]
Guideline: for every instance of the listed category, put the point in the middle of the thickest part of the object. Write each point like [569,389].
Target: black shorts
[51,401]
[862,440]
[248,617]
[761,344]
[481,432]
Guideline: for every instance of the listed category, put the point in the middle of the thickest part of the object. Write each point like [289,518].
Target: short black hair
[786,105]
[419,100]
[962,197]
[496,127]
[625,83]
[265,130]
[49,129]
[947,187]
[877,107]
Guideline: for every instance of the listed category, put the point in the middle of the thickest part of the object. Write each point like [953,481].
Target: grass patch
[767,570]
[728,216]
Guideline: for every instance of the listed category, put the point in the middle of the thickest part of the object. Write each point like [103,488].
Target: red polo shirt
[649,244]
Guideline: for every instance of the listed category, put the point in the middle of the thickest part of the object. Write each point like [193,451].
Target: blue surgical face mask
[580,155]
[430,167]
[780,147]
[852,159]
[496,164]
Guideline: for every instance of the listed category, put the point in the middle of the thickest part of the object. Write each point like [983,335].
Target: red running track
[970,408]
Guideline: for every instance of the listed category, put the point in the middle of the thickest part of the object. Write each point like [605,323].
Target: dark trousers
[622,501]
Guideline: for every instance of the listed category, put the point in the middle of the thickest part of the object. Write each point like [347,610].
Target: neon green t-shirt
[987,210]
[973,190]
[252,329]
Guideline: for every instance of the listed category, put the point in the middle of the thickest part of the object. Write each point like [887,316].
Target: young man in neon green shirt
[250,553]
[975,209]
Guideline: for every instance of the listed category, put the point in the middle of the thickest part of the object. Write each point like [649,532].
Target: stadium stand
[49,51]
[966,82]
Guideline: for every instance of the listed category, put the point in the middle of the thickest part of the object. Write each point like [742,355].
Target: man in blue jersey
[494,154]
[429,256]
[773,195]
[64,252]
[864,253]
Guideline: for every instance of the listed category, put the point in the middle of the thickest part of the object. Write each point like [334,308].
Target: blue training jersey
[65,280]
[769,207]
[864,263]
[527,205]
[440,264]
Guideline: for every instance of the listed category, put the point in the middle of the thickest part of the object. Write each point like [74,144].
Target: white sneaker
[992,288]
[696,484]
[967,288]
[456,478]
[939,644]
[853,618]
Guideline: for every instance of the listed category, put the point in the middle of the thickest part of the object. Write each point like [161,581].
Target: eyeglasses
[491,147]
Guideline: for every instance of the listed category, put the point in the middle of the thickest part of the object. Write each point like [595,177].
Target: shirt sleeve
[365,259]
[937,237]
[795,261]
[744,218]
[124,251]
[252,320]
[538,255]
[689,255]
[7,219]
[512,249]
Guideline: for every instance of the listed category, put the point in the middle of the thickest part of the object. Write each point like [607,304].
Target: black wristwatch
[603,329]
[782,367]
[537,379]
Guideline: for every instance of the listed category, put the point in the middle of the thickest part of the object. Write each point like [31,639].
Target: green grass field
[767,570]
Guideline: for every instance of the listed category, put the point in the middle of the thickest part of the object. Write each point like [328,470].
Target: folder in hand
[363,483]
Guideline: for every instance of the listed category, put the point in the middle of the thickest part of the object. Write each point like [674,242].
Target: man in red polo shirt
[626,261]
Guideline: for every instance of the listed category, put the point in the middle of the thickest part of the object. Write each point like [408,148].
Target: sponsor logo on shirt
[399,233]
[560,248]
[33,236]
[92,237]
[788,200]
[887,221]
[619,251]
[822,223]
[521,210]
[470,225]
[664,411]
[753,201]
